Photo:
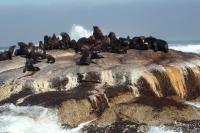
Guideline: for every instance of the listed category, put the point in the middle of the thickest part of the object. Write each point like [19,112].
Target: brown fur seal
[84,42]
[97,33]
[7,55]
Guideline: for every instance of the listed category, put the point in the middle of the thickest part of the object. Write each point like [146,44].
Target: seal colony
[90,48]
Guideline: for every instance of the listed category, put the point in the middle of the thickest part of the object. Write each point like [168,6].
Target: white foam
[72,81]
[78,31]
[78,129]
[194,48]
[160,130]
[2,50]
[196,104]
[107,77]
[33,119]
[59,36]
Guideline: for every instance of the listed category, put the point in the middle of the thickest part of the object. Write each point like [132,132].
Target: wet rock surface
[123,126]
[185,126]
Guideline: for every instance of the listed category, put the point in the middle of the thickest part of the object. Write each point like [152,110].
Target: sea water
[2,49]
[186,46]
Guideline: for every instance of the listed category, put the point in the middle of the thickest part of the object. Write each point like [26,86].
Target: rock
[92,76]
[137,86]
[151,111]
[123,126]
[80,109]
[185,126]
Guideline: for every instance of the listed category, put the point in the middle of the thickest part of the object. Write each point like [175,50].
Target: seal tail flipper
[28,74]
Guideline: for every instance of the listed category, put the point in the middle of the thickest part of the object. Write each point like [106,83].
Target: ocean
[186,46]
[37,119]
[2,49]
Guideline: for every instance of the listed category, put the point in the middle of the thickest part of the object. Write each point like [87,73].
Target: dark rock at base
[186,126]
[123,126]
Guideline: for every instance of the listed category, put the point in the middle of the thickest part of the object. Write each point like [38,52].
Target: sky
[30,20]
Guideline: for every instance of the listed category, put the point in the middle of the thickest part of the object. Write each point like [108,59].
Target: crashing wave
[78,31]
[33,119]
[195,104]
[190,47]
[161,130]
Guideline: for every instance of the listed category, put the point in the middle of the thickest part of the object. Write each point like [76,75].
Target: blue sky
[30,20]
[59,2]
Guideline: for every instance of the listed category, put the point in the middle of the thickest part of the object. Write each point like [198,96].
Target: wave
[78,31]
[193,48]
[195,104]
[161,130]
[2,49]
[33,119]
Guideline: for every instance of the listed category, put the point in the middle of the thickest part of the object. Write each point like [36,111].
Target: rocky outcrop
[115,87]
[123,126]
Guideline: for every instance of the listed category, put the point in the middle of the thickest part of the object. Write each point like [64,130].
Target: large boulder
[141,86]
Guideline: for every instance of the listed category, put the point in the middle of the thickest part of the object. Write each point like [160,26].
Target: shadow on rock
[159,103]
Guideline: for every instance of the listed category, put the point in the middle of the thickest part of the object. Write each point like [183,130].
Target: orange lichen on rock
[177,80]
